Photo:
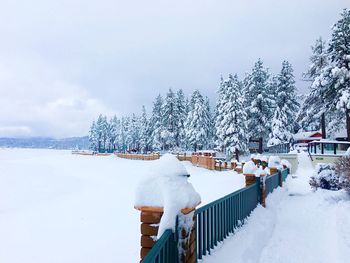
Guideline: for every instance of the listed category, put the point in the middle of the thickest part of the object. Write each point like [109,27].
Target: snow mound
[347,152]
[259,172]
[274,161]
[286,163]
[249,168]
[258,157]
[166,186]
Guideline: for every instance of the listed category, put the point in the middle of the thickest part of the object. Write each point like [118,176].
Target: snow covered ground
[297,226]
[56,207]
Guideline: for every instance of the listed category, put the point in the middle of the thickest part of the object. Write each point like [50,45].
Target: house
[301,139]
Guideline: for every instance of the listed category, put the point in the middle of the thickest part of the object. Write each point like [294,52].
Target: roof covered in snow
[307,135]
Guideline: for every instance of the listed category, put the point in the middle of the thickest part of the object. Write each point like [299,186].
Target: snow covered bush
[342,168]
[325,177]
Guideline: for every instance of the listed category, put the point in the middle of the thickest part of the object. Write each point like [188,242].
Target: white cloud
[15,131]
[35,101]
[63,62]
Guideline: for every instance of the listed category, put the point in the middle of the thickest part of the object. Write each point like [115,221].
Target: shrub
[325,177]
[342,168]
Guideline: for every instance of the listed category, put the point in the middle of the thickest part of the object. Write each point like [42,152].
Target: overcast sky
[64,62]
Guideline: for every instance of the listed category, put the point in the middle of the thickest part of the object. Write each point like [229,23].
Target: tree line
[262,106]
[244,110]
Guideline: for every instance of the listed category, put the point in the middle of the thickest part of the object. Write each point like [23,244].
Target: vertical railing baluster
[208,231]
[199,231]
[204,222]
[212,227]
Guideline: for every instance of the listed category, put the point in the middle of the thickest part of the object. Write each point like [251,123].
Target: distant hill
[48,143]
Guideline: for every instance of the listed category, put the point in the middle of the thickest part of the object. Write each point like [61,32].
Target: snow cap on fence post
[249,170]
[162,196]
[274,164]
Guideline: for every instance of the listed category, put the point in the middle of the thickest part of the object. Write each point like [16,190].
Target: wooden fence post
[150,218]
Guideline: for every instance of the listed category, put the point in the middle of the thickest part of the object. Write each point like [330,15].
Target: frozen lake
[57,207]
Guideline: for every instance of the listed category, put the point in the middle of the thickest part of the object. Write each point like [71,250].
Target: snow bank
[249,168]
[274,161]
[293,228]
[166,186]
[347,152]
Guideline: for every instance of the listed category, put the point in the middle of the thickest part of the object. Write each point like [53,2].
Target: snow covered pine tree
[259,102]
[230,125]
[286,106]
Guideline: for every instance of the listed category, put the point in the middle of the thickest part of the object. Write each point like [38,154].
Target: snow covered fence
[145,157]
[195,232]
[216,220]
[208,161]
[79,152]
[269,177]
[166,201]
[184,157]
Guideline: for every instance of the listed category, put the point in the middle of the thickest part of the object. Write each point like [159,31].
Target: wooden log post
[252,179]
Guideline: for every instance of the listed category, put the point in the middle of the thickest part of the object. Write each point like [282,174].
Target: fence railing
[216,220]
[284,174]
[272,182]
[135,156]
[164,250]
[280,148]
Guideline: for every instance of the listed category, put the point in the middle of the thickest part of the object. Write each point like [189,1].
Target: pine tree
[144,131]
[339,50]
[259,102]
[122,135]
[286,100]
[128,133]
[318,59]
[169,121]
[272,90]
[231,129]
[114,132]
[311,111]
[182,115]
[105,133]
[328,89]
[209,124]
[100,132]
[219,117]
[279,134]
[135,133]
[157,124]
[195,126]
[93,137]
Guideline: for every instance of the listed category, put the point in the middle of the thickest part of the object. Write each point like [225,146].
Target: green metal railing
[216,220]
[284,174]
[272,182]
[164,250]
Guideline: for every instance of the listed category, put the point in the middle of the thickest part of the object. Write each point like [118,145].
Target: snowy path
[56,207]
[298,225]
